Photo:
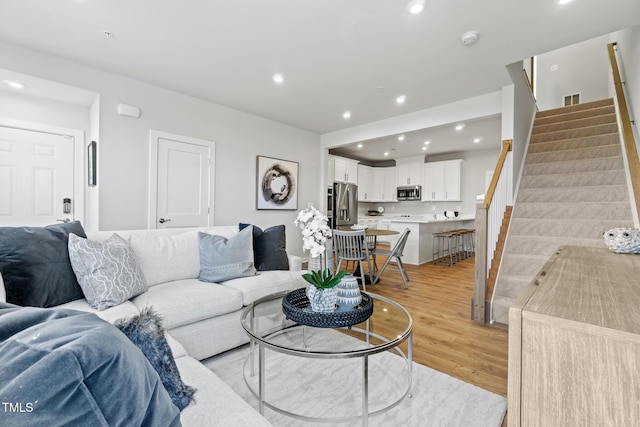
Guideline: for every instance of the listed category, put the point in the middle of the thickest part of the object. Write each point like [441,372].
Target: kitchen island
[419,247]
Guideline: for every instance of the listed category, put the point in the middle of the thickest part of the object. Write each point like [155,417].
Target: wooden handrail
[627,130]
[507,146]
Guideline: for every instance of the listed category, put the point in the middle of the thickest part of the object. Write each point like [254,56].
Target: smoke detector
[470,37]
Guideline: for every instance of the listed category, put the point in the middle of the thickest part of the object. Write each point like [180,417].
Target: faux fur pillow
[146,332]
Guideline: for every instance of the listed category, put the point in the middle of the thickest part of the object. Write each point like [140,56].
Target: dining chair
[351,246]
[395,256]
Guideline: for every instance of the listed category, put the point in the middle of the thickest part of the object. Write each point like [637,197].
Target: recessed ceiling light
[360,145]
[386,153]
[460,127]
[416,6]
[427,142]
[561,2]
[401,138]
[346,114]
[476,140]
[278,78]
[424,148]
[401,99]
[14,84]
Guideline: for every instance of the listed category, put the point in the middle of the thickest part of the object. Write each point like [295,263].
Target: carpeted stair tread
[582,122]
[620,210]
[575,133]
[584,179]
[576,154]
[575,115]
[573,108]
[547,245]
[574,143]
[522,264]
[570,166]
[589,229]
[603,194]
[500,306]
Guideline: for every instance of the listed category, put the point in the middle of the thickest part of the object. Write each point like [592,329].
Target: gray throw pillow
[225,259]
[107,271]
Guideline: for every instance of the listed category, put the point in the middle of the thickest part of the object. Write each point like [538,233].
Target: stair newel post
[479,291]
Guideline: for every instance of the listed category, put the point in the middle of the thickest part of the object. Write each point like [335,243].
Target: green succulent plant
[323,279]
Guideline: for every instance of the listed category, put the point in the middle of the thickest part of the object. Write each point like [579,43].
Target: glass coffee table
[347,373]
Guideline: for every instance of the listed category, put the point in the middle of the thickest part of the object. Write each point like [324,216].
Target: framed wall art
[277,184]
[92,157]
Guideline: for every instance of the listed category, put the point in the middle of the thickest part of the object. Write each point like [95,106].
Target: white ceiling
[335,55]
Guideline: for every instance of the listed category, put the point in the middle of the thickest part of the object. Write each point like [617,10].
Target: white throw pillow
[106,271]
[167,258]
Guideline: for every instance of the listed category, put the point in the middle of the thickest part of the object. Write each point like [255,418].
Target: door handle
[66,220]
[162,220]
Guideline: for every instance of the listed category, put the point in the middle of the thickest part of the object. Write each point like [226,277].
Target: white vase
[322,300]
[349,295]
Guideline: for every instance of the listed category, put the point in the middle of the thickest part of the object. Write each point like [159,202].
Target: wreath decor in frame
[276,184]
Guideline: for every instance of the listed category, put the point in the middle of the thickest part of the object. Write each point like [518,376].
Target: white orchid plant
[315,230]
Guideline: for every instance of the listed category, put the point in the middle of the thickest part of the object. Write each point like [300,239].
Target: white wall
[123,143]
[581,68]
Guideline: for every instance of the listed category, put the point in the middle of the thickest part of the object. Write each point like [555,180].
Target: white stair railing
[489,216]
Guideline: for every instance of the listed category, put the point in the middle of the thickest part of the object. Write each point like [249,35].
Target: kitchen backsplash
[415,208]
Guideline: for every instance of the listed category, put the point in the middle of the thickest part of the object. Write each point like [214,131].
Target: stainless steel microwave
[411,192]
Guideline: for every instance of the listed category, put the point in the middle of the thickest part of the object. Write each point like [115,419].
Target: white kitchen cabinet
[345,170]
[390,185]
[365,184]
[441,181]
[383,184]
[409,170]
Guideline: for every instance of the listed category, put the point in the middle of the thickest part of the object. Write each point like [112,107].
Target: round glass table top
[389,325]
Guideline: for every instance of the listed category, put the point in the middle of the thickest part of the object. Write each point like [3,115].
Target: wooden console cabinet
[574,342]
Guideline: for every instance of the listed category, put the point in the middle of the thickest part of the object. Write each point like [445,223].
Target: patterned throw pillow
[107,271]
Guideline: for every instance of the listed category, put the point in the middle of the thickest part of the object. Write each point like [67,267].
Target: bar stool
[445,243]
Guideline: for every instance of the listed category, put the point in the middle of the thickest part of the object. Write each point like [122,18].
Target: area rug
[321,388]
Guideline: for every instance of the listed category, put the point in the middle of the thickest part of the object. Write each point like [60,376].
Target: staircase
[573,188]
[497,253]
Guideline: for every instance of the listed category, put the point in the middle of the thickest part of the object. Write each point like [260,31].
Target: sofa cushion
[167,258]
[76,369]
[265,283]
[269,247]
[111,314]
[183,302]
[34,262]
[107,271]
[215,402]
[224,259]
[146,332]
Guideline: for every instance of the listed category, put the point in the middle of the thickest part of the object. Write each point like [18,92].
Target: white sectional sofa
[202,319]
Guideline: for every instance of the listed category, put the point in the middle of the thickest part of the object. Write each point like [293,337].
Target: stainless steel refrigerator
[345,204]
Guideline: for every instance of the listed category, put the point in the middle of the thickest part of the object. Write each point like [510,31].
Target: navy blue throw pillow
[35,266]
[269,248]
[146,332]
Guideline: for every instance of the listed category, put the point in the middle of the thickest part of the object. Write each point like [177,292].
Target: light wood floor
[444,336]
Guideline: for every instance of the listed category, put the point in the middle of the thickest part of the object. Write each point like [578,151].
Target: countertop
[420,219]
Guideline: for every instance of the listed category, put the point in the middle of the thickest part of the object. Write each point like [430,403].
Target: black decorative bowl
[296,307]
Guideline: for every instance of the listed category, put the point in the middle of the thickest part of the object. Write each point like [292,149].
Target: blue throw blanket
[64,367]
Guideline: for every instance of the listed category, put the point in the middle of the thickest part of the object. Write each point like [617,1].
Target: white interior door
[36,175]
[183,186]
